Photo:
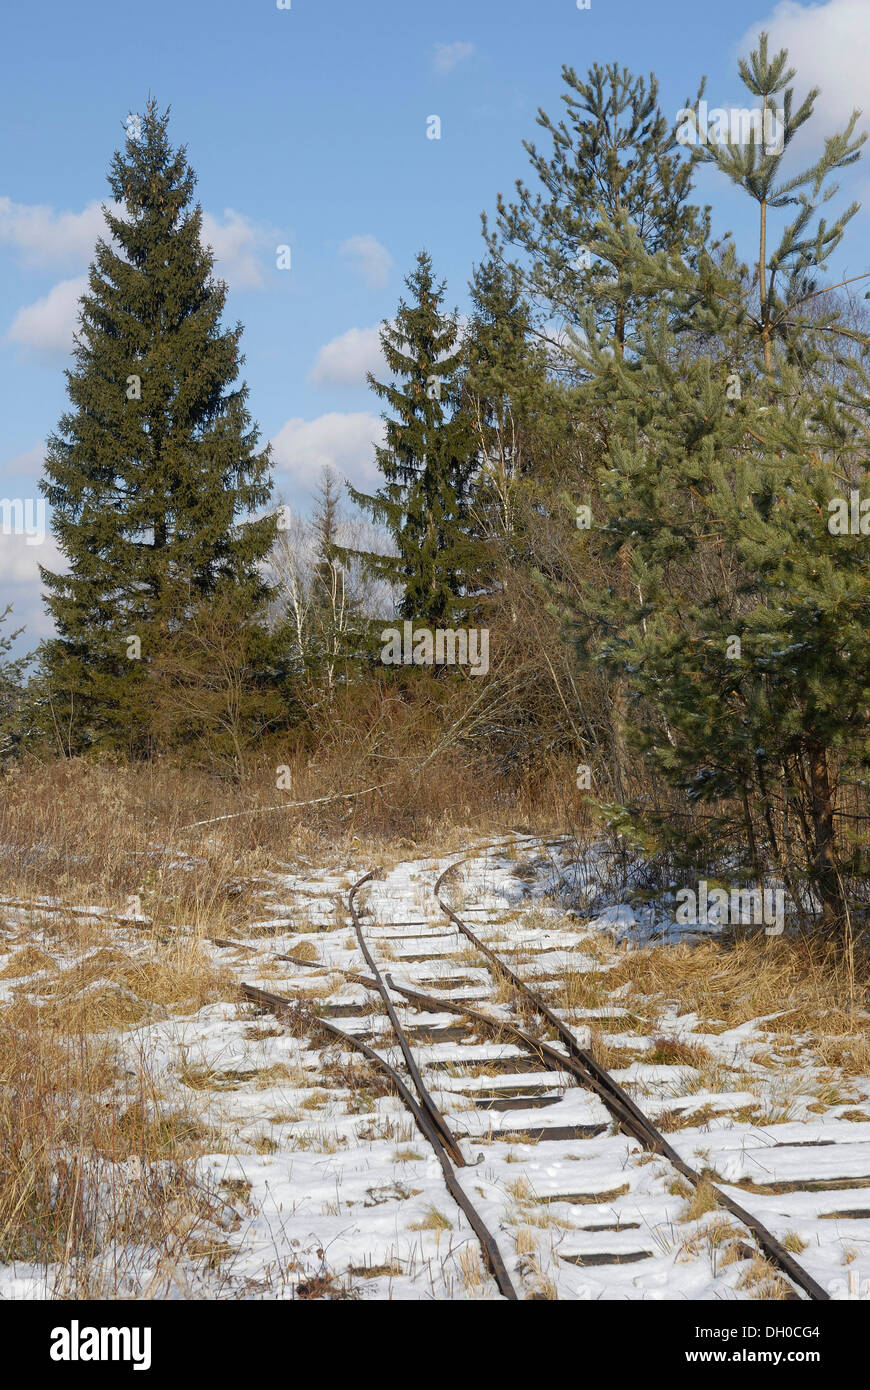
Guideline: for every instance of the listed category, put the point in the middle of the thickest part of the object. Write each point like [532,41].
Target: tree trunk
[822,819]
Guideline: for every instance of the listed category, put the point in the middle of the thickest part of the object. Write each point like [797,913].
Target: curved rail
[575,1061]
[630,1118]
[277,1005]
[426,1113]
[448,1139]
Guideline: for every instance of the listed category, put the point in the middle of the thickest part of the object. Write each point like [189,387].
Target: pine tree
[427,459]
[743,632]
[784,278]
[614,160]
[154,471]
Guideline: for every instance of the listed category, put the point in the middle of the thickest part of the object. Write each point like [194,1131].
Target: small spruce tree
[427,460]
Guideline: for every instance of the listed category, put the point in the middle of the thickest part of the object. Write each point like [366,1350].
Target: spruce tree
[154,471]
[219,686]
[427,459]
[522,424]
[504,390]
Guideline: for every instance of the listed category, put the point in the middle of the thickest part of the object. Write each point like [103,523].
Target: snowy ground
[322,1184]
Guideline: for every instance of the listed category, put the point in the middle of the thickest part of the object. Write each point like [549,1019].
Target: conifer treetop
[755,164]
[154,472]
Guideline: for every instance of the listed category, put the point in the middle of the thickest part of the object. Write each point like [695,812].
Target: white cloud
[373,260]
[449,55]
[346,442]
[20,559]
[828,45]
[21,588]
[47,326]
[44,237]
[235,242]
[48,238]
[345,360]
[26,465]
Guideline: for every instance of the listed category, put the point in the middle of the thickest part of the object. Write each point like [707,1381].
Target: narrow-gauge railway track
[426,1113]
[574,1062]
[628,1116]
[436,1134]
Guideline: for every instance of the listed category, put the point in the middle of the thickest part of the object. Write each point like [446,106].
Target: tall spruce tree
[428,458]
[518,419]
[743,633]
[503,386]
[154,472]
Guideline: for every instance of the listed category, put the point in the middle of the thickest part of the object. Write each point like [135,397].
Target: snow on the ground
[332,1183]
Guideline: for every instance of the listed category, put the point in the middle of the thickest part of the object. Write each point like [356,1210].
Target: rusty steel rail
[646,1134]
[448,1139]
[278,1005]
[628,1115]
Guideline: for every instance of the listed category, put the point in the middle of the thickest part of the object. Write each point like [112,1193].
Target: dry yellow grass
[730,982]
[721,1233]
[669,1121]
[849,1052]
[80,1138]
[316,1101]
[762,1281]
[679,1052]
[471,1269]
[107,830]
[28,961]
[306,950]
[434,1220]
[81,1130]
[794,1243]
[110,990]
[702,1200]
[614,1056]
[525,1240]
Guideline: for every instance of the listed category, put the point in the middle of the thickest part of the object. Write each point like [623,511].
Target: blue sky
[307,127]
